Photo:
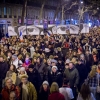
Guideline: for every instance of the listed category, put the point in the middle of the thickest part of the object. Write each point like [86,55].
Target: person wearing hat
[34,76]
[55,76]
[44,91]
[28,91]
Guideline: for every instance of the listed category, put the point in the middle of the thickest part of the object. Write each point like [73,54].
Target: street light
[97,8]
[81,2]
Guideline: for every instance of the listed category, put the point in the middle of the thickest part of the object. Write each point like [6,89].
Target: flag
[7,35]
[48,33]
[21,36]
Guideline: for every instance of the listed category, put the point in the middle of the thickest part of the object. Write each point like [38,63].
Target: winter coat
[73,76]
[40,69]
[3,70]
[32,94]
[56,96]
[34,78]
[43,95]
[6,92]
[56,77]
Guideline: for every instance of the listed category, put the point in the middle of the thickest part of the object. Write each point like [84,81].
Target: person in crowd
[15,61]
[28,91]
[49,67]
[85,93]
[98,81]
[66,90]
[12,73]
[12,96]
[22,72]
[9,87]
[27,62]
[55,76]
[89,60]
[34,76]
[73,76]
[60,65]
[83,73]
[55,95]
[3,71]
[40,67]
[44,91]
[67,63]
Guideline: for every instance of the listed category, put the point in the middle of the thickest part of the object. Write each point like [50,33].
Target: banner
[52,29]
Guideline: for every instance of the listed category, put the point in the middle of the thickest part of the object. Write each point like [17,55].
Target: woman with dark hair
[12,73]
[44,91]
[85,93]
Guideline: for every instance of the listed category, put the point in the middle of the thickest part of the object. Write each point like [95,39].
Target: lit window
[5,11]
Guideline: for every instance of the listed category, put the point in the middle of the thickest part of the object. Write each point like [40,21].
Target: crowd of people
[59,67]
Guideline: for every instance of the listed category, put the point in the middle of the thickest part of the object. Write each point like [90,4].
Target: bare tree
[64,9]
[23,12]
[41,10]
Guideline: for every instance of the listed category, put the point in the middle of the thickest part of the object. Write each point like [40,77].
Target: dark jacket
[56,96]
[40,67]
[43,95]
[56,77]
[34,78]
[73,76]
[3,70]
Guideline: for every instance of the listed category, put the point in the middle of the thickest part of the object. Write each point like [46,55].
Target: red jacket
[56,96]
[6,92]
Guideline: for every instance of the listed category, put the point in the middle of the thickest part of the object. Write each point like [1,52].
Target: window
[5,11]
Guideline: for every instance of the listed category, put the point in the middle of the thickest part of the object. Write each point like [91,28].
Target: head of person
[12,96]
[22,71]
[54,69]
[14,57]
[24,79]
[67,63]
[85,91]
[54,87]
[27,60]
[45,85]
[71,65]
[31,68]
[93,71]
[38,60]
[87,52]
[20,57]
[82,57]
[80,61]
[65,82]
[13,68]
[8,82]
[1,59]
[49,62]
[9,54]
[53,62]
[59,60]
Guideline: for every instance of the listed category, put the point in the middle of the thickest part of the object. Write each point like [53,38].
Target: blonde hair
[93,71]
[54,87]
